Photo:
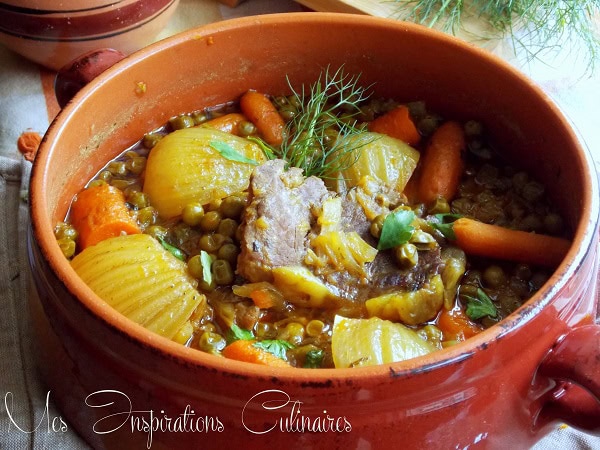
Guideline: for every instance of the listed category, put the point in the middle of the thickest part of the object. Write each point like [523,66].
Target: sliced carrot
[456,326]
[100,212]
[478,238]
[244,350]
[264,115]
[442,164]
[398,124]
[228,123]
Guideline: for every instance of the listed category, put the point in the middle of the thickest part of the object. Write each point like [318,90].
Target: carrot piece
[398,124]
[244,350]
[263,114]
[100,212]
[228,123]
[478,238]
[442,165]
[456,325]
[28,144]
[262,299]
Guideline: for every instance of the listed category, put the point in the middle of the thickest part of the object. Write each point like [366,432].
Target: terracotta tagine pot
[121,386]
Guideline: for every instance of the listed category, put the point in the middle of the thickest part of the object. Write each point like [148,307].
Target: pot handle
[79,72]
[574,364]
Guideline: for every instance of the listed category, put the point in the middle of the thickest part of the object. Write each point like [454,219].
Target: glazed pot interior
[217,63]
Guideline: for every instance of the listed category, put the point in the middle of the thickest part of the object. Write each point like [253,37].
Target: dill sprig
[532,25]
[326,116]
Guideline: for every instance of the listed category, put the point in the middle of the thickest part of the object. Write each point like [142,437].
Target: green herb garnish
[444,224]
[277,347]
[206,262]
[236,333]
[396,229]
[228,152]
[314,359]
[318,135]
[177,253]
[480,306]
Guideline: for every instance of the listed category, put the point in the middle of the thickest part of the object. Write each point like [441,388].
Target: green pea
[229,252]
[117,168]
[151,139]
[195,268]
[67,246]
[156,231]
[181,122]
[494,276]
[136,165]
[222,272]
[147,216]
[232,207]
[407,255]
[192,214]
[315,328]
[210,221]
[210,243]
[211,342]
[377,225]
[137,199]
[227,227]
[553,223]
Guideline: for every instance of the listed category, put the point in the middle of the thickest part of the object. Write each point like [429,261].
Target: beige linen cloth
[26,406]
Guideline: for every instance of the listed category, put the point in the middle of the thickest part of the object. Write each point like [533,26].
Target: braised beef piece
[278,219]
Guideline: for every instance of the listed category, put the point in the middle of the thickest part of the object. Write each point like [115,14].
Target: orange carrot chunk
[442,164]
[263,114]
[100,212]
[244,350]
[228,123]
[456,326]
[398,124]
[28,144]
[478,238]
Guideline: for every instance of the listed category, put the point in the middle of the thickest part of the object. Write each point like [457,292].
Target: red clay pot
[504,388]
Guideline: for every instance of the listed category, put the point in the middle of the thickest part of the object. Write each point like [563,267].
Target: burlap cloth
[26,103]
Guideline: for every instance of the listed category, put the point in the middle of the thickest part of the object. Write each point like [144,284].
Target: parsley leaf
[206,261]
[396,229]
[228,152]
[480,306]
[314,359]
[444,224]
[236,333]
[277,347]
[177,253]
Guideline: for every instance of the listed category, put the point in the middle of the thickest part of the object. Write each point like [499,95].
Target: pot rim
[42,228]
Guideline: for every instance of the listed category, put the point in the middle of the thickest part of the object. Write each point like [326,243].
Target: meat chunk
[278,219]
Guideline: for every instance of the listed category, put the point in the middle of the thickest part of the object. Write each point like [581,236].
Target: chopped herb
[238,334]
[177,253]
[314,359]
[206,262]
[396,229]
[444,224]
[230,153]
[277,347]
[480,306]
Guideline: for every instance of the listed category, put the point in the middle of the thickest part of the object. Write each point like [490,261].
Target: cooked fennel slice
[190,165]
[383,158]
[143,281]
[369,342]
